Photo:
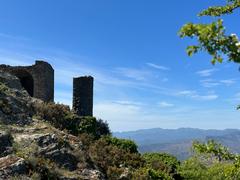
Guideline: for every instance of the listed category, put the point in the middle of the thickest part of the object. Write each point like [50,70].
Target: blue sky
[143,77]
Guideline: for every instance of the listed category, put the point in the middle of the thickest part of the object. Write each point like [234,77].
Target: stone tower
[37,80]
[83,95]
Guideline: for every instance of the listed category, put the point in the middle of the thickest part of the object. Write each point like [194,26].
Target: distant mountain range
[178,142]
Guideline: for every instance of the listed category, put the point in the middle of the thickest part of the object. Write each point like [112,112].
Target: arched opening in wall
[26,80]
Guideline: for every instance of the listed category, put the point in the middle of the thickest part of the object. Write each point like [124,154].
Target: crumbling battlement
[38,79]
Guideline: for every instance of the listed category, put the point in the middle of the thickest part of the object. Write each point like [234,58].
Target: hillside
[178,142]
[40,141]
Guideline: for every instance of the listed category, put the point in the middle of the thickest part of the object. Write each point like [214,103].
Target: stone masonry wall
[39,77]
[83,95]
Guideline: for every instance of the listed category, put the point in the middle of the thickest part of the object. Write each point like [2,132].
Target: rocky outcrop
[10,81]
[15,103]
[11,166]
[51,147]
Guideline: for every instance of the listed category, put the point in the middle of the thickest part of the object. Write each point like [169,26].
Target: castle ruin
[38,81]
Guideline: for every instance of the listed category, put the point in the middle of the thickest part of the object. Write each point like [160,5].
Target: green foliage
[151,174]
[3,88]
[42,168]
[125,144]
[112,159]
[223,171]
[102,128]
[212,37]
[214,149]
[56,114]
[93,126]
[61,117]
[221,10]
[162,162]
[204,165]
[193,169]
[87,125]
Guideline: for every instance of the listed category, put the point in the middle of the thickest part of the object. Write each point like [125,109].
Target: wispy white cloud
[206,97]
[196,96]
[165,80]
[129,103]
[186,93]
[156,66]
[228,82]
[130,117]
[132,73]
[206,72]
[8,36]
[212,83]
[209,83]
[164,104]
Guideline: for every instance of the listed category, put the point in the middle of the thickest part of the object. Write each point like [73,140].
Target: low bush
[193,169]
[56,114]
[150,174]
[102,128]
[125,144]
[163,163]
[61,117]
[109,157]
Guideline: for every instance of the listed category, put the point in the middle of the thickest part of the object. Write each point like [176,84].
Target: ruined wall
[37,79]
[83,95]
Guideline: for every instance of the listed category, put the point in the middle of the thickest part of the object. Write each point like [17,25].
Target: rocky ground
[31,148]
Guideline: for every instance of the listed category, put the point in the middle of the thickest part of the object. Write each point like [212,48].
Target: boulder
[5,143]
[11,166]
[61,156]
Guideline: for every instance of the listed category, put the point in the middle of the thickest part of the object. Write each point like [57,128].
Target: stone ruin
[38,81]
[83,95]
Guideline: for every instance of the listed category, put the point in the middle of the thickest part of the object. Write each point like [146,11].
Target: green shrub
[193,169]
[42,168]
[114,173]
[102,128]
[150,174]
[61,117]
[213,149]
[3,88]
[211,161]
[109,157]
[91,125]
[56,114]
[125,144]
[162,162]
[86,139]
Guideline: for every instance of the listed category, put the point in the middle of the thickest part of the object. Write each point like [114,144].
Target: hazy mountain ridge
[178,141]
